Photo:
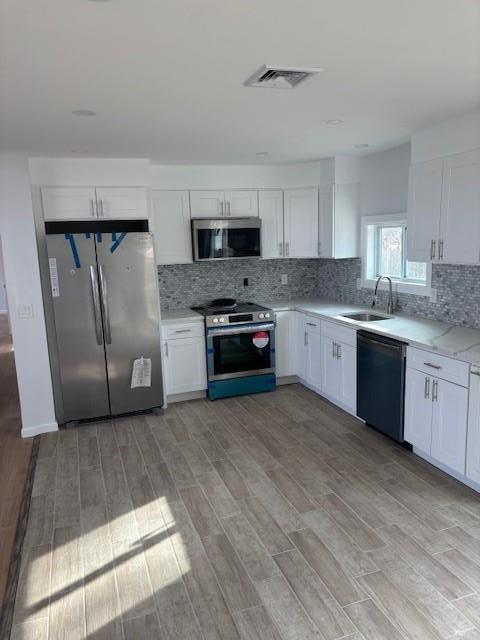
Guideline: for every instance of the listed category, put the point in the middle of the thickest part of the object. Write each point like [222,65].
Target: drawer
[339,333]
[439,366]
[183,330]
[311,324]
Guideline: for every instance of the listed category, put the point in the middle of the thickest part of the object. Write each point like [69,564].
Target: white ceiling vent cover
[278,77]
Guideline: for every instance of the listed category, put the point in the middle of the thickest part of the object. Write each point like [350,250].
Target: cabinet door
[284,337]
[271,213]
[68,203]
[347,361]
[326,211]
[423,218]
[301,223]
[449,424]
[241,203]
[300,347]
[313,356]
[418,410]
[473,439]
[171,227]
[122,202]
[207,204]
[460,218]
[185,365]
[330,369]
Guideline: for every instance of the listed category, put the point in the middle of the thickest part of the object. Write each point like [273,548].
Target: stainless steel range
[240,347]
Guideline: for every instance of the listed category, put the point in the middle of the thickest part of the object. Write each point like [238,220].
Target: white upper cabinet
[473,441]
[444,210]
[206,204]
[122,202]
[460,213]
[69,203]
[80,203]
[301,223]
[171,227]
[424,202]
[240,203]
[339,221]
[270,206]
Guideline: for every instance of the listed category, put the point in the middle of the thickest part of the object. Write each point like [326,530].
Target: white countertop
[462,343]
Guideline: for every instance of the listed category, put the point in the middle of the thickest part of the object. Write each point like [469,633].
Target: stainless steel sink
[364,317]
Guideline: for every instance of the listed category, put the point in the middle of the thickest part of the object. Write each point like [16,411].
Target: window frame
[401,285]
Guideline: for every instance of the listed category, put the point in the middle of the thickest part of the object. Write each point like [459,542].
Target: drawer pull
[312,324]
[182,330]
[433,366]
[475,373]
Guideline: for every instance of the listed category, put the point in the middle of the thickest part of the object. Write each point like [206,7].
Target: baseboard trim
[31,432]
[190,395]
[287,380]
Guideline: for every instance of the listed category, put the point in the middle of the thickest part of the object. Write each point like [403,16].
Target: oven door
[220,239]
[240,351]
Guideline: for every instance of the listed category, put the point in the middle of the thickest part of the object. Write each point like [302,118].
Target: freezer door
[129,288]
[78,324]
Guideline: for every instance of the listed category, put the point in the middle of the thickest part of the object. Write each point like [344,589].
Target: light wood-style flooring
[14,452]
[272,517]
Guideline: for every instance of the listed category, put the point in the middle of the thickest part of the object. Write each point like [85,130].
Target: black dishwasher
[381,383]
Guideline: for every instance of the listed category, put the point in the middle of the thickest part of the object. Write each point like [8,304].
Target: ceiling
[165,77]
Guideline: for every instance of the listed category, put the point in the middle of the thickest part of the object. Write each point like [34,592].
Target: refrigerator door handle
[106,315]
[96,304]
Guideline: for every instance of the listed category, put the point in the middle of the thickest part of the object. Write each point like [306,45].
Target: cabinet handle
[339,351]
[333,349]
[280,248]
[475,373]
[440,249]
[435,391]
[426,392]
[166,349]
[182,330]
[101,211]
[433,249]
[221,207]
[311,324]
[319,249]
[305,338]
[94,212]
[287,248]
[433,366]
[228,209]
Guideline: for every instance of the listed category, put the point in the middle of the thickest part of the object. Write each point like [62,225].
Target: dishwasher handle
[392,348]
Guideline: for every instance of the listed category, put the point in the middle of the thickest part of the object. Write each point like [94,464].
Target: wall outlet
[284,278]
[25,311]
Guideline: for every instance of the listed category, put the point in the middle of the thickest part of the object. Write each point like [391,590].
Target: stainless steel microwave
[221,239]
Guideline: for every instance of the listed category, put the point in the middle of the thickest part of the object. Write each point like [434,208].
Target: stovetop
[241,313]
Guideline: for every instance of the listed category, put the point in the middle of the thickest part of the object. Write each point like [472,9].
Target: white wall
[23,285]
[384,181]
[448,137]
[74,172]
[3,293]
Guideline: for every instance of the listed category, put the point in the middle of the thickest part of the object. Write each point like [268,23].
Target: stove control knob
[222,319]
[215,320]
[267,315]
[261,316]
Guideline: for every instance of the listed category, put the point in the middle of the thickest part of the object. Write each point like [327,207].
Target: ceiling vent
[276,77]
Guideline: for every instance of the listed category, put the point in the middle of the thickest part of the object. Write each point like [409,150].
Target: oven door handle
[232,331]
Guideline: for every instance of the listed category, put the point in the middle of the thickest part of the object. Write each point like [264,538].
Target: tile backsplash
[183,285]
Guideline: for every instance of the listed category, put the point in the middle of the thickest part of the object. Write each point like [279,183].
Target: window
[385,253]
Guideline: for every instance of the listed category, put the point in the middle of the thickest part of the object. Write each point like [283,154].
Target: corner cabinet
[339,221]
[184,358]
[300,223]
[436,407]
[171,227]
[85,203]
[473,439]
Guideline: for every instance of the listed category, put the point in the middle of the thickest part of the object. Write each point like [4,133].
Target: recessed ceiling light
[83,112]
[262,153]
[363,145]
[334,121]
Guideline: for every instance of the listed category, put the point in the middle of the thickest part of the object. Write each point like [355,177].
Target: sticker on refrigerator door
[260,339]
[141,373]
[52,266]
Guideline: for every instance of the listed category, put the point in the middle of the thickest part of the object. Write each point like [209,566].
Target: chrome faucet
[390,305]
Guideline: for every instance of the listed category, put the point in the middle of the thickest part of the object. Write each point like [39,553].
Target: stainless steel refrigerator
[104,290]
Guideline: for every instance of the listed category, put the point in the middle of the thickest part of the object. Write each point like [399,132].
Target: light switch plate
[24,311]
[284,278]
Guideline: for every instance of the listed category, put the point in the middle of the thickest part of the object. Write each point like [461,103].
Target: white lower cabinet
[284,343]
[436,417]
[184,359]
[339,365]
[308,355]
[473,439]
